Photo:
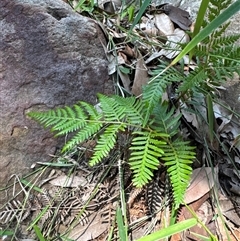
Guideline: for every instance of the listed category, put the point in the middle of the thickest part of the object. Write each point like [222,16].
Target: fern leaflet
[134,111]
[82,135]
[152,93]
[63,120]
[178,157]
[195,78]
[165,121]
[144,157]
[106,143]
[111,109]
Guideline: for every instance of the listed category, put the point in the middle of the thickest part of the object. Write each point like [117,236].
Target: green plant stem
[123,203]
[140,13]
[200,222]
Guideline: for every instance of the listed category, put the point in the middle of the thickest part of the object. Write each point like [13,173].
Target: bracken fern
[150,143]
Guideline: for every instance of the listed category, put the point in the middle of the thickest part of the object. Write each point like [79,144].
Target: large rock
[50,56]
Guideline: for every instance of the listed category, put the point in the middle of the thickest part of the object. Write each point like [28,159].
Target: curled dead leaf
[202,180]
[178,16]
[141,76]
[68,181]
[164,24]
[173,49]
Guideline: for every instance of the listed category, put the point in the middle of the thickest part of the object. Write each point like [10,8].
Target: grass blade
[169,231]
[38,233]
[121,226]
[140,13]
[211,118]
[200,16]
[199,21]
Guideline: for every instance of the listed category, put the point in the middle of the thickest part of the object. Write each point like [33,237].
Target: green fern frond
[220,31]
[216,7]
[152,93]
[225,54]
[165,120]
[134,111]
[195,78]
[106,143]
[63,120]
[83,135]
[144,156]
[111,109]
[178,157]
[73,119]
[91,110]
[220,42]
[225,62]
[84,119]
[92,127]
[222,73]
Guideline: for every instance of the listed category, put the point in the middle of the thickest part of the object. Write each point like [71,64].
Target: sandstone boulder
[50,56]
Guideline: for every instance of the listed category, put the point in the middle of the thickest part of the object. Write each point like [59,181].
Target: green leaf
[178,157]
[124,70]
[82,135]
[111,109]
[130,11]
[169,231]
[211,118]
[199,20]
[135,112]
[106,143]
[121,228]
[31,185]
[200,16]
[146,149]
[39,216]
[144,6]
[38,233]
[201,237]
[153,91]
[6,232]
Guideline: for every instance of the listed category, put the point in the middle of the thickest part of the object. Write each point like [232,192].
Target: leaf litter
[131,57]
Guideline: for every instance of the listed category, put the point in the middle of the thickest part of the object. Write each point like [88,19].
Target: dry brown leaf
[125,80]
[120,36]
[178,36]
[147,26]
[203,179]
[111,64]
[123,56]
[225,228]
[129,51]
[153,56]
[189,116]
[141,76]
[185,214]
[71,181]
[164,24]
[228,209]
[109,7]
[178,16]
[204,213]
[91,231]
